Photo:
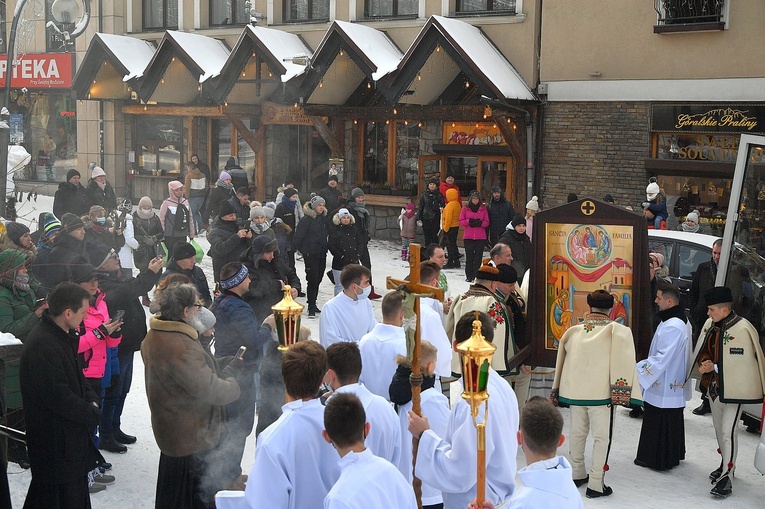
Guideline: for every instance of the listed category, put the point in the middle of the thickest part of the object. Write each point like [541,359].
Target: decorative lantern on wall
[475,356]
[287,314]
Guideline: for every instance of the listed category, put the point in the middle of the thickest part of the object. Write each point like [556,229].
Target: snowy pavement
[634,487]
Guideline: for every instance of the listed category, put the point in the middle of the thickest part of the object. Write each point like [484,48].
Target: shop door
[496,171]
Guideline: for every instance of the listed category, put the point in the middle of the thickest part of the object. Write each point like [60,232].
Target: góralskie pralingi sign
[708,118]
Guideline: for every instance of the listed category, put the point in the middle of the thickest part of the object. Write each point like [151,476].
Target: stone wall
[383,222]
[594,149]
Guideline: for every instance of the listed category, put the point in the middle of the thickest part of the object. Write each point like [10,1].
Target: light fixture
[65,11]
[438,49]
[369,84]
[419,77]
[162,81]
[199,88]
[355,122]
[94,82]
[145,108]
[287,319]
[321,83]
[395,111]
[419,124]
[173,59]
[406,122]
[296,105]
[467,84]
[387,122]
[452,124]
[244,74]
[342,53]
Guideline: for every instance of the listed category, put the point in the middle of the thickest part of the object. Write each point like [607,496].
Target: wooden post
[481,466]
[414,286]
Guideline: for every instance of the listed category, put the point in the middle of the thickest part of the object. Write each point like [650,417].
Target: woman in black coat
[429,211]
[519,243]
[311,239]
[344,244]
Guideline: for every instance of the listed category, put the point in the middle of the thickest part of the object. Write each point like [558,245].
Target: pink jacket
[93,347]
[474,232]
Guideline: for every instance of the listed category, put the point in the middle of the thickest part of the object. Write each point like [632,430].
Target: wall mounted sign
[43,70]
[464,133]
[273,113]
[708,118]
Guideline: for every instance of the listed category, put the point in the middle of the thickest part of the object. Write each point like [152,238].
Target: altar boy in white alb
[294,467]
[665,391]
[448,463]
[365,480]
[344,363]
[380,347]
[348,315]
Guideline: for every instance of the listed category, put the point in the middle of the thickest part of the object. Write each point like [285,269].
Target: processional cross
[414,291]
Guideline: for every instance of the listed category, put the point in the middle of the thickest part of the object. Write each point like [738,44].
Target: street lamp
[287,318]
[65,12]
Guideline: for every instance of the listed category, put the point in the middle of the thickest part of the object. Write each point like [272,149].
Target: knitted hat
[433,181]
[207,318]
[600,299]
[290,192]
[718,295]
[226,208]
[82,271]
[518,219]
[357,192]
[11,260]
[496,189]
[51,225]
[608,198]
[72,173]
[99,254]
[263,244]
[97,172]
[658,257]
[257,211]
[316,201]
[333,177]
[236,279]
[224,175]
[70,223]
[270,209]
[572,197]
[183,251]
[16,231]
[343,213]
[145,202]
[473,194]
[693,216]
[533,204]
[652,190]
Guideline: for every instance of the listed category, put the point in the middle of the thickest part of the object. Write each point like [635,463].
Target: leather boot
[374,295]
[723,488]
[703,408]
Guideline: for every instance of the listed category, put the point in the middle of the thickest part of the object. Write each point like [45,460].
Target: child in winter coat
[655,206]
[408,223]
[450,224]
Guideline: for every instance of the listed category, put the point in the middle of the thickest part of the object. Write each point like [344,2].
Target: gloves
[419,223]
[233,369]
[646,204]
[475,223]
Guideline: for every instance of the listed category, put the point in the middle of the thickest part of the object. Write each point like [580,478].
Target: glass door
[494,172]
[430,167]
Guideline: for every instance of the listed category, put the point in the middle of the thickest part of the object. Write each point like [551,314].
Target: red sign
[43,70]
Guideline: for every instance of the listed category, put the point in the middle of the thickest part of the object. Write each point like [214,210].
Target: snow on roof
[376,45]
[478,48]
[208,53]
[134,54]
[283,45]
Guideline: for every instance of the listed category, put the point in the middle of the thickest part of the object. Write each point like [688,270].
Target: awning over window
[113,66]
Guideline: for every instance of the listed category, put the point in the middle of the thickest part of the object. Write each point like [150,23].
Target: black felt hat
[502,273]
[718,295]
[600,299]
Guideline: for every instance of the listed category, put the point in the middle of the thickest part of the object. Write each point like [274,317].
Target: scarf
[22,282]
[474,206]
[409,210]
[224,185]
[690,229]
[261,228]
[288,203]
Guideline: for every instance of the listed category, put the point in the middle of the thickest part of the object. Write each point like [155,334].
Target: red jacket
[445,187]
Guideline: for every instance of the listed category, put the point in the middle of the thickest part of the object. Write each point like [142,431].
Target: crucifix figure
[414,290]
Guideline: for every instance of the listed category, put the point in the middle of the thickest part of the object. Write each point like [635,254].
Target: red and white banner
[43,70]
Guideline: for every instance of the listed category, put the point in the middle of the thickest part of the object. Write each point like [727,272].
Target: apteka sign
[41,70]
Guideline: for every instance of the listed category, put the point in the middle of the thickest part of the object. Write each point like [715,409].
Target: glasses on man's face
[198,306]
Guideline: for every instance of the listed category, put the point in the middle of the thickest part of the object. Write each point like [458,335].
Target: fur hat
[357,191]
[693,216]
[533,204]
[97,172]
[183,250]
[226,208]
[70,222]
[600,299]
[718,295]
[72,173]
[316,201]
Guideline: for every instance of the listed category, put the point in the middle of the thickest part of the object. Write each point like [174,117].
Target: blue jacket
[658,207]
[237,326]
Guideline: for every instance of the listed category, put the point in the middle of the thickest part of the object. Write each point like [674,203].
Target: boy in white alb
[380,347]
[365,480]
[348,315]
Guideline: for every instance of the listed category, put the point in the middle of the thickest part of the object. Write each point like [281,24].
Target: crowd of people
[334,412]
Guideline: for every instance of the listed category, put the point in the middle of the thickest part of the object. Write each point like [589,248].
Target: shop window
[684,16]
[486,6]
[390,8]
[158,144]
[407,154]
[465,171]
[46,125]
[245,154]
[160,14]
[229,12]
[221,144]
[306,10]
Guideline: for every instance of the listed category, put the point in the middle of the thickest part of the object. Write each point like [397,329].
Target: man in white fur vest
[729,359]
[594,371]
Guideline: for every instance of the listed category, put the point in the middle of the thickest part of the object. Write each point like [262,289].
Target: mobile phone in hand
[118,316]
[240,353]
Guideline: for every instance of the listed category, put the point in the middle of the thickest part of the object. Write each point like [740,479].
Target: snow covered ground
[634,487]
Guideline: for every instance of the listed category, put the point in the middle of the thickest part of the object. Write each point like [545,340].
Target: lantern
[287,314]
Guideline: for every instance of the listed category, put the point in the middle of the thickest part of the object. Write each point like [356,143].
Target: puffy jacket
[218,195]
[451,216]
[344,243]
[225,245]
[312,232]
[237,325]
[444,189]
[474,232]
[72,199]
[332,197]
[266,284]
[148,233]
[167,214]
[94,339]
[17,307]
[195,183]
[429,206]
[66,249]
[501,212]
[361,216]
[408,225]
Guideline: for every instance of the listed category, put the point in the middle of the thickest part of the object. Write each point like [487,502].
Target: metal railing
[673,12]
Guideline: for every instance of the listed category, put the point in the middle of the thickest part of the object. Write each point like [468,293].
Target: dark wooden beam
[192,111]
[327,135]
[403,112]
[244,131]
[513,138]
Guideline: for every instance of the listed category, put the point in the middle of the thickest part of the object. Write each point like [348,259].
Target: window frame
[234,12]
[309,8]
[672,24]
[490,10]
[394,14]
[165,10]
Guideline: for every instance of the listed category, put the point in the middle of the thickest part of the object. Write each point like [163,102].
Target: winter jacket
[288,215]
[474,232]
[444,189]
[106,197]
[94,339]
[408,225]
[361,217]
[331,197]
[451,216]
[236,326]
[65,249]
[195,184]
[225,245]
[58,405]
[130,243]
[168,215]
[17,307]
[218,195]
[658,206]
[312,232]
[266,284]
[501,212]
[72,199]
[197,277]
[238,174]
[430,205]
[125,293]
[185,394]
[521,248]
[344,243]
[242,211]
[100,234]
[148,233]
